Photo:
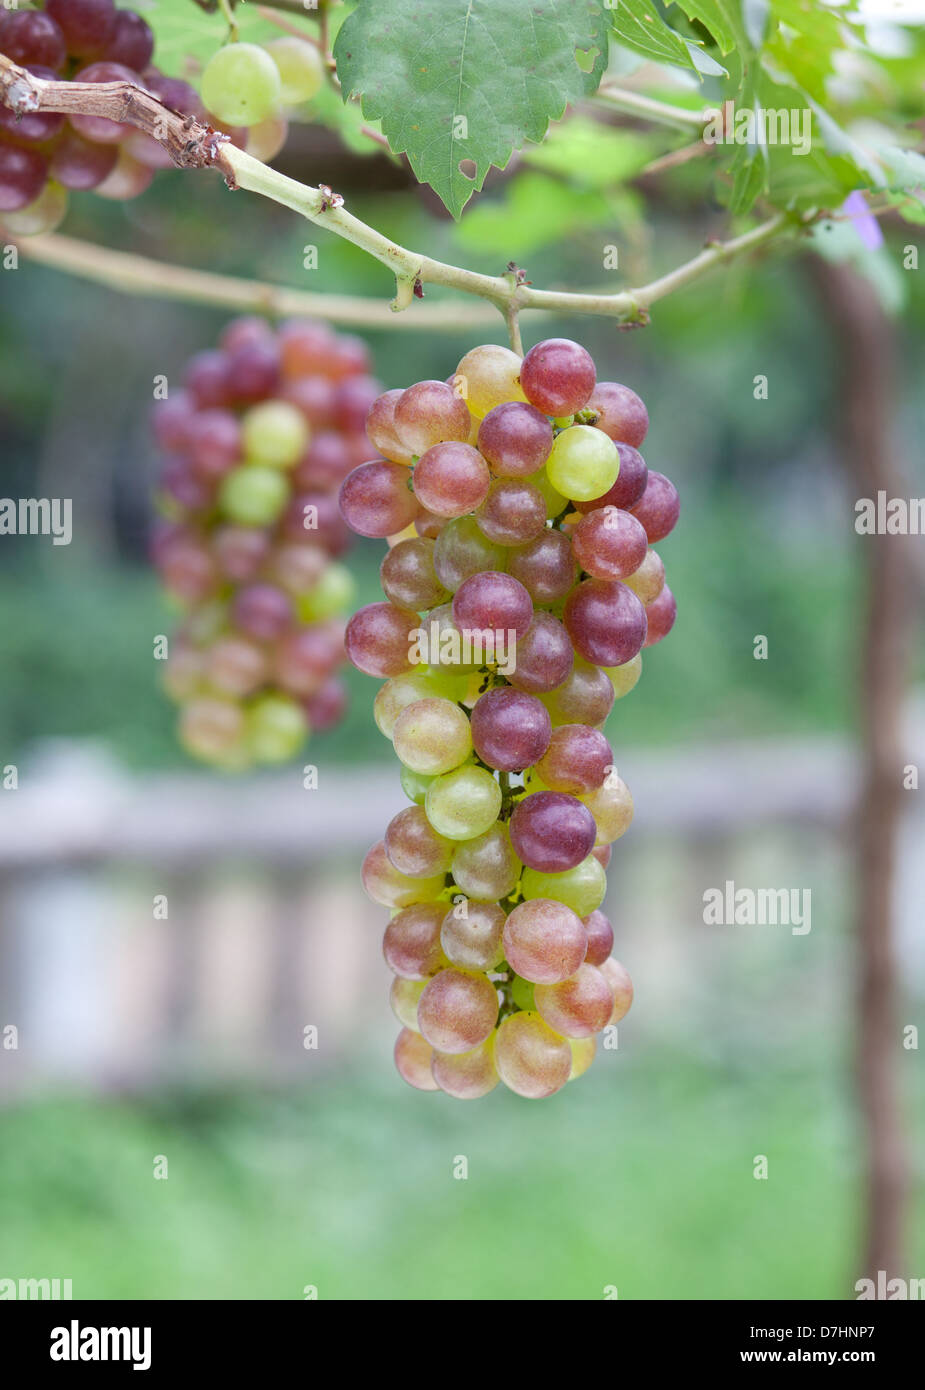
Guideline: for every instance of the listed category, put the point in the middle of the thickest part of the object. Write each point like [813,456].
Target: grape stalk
[520,589]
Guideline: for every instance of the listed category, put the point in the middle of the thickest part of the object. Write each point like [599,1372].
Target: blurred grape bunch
[256,445]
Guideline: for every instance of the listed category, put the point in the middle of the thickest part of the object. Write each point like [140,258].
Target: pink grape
[451,479]
[240,551]
[236,666]
[621,986]
[411,945]
[382,430]
[303,659]
[513,513]
[87,25]
[658,508]
[552,832]
[263,611]
[131,41]
[327,706]
[378,639]
[376,500]
[543,657]
[29,37]
[386,885]
[457,1010]
[414,847]
[471,939]
[486,868]
[462,549]
[492,602]
[621,414]
[600,935]
[558,376]
[22,175]
[430,413]
[413,1058]
[466,1075]
[576,761]
[546,566]
[609,543]
[532,1060]
[577,1007]
[648,580]
[515,439]
[408,576]
[544,941]
[661,614]
[79,164]
[606,622]
[510,729]
[584,697]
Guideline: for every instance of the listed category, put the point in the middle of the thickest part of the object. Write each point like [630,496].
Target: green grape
[583,464]
[488,376]
[332,595]
[583,1050]
[274,433]
[43,215]
[415,785]
[464,803]
[432,736]
[253,496]
[582,888]
[301,69]
[555,502]
[401,691]
[404,997]
[276,728]
[522,993]
[241,84]
[624,678]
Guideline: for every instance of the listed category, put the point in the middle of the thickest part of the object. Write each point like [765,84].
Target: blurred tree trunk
[867,348]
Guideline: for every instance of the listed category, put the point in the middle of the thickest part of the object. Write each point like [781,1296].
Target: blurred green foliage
[644,1182]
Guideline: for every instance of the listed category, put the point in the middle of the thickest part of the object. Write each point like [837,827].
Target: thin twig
[637,104]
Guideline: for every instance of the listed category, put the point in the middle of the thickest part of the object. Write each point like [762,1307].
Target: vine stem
[141,275]
[637,104]
[194,145]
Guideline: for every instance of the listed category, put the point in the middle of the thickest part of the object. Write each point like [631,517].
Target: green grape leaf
[638,25]
[720,17]
[468,80]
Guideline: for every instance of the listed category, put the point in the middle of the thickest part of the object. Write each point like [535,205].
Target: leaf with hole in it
[468,80]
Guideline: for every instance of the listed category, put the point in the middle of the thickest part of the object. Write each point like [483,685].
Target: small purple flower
[866,226]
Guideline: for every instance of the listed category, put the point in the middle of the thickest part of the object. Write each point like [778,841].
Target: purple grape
[253,372]
[87,25]
[659,507]
[22,176]
[513,513]
[577,760]
[661,614]
[214,443]
[510,729]
[375,499]
[606,622]
[493,602]
[609,543]
[621,414]
[552,832]
[80,165]
[262,611]
[543,657]
[515,438]
[630,484]
[546,567]
[206,379]
[32,37]
[131,42]
[557,376]
[600,934]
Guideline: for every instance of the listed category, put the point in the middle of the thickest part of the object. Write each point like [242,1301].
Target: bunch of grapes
[251,86]
[257,444]
[520,590]
[45,155]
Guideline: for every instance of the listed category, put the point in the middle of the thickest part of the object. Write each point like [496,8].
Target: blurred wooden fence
[191,925]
